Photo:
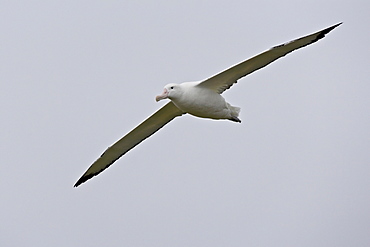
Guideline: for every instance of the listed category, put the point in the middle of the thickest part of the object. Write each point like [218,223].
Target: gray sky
[78,75]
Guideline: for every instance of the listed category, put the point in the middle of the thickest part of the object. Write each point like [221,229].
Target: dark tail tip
[235,119]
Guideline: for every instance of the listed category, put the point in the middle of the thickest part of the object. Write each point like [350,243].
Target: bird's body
[201,99]
[192,98]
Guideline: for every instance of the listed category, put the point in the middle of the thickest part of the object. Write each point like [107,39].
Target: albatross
[201,99]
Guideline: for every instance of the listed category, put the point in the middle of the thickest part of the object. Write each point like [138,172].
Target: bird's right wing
[129,141]
[225,79]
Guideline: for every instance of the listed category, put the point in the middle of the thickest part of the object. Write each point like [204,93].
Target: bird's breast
[202,103]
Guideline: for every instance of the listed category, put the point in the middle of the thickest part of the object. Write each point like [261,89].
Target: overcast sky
[78,75]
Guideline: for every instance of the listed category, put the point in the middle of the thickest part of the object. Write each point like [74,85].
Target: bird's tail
[234,110]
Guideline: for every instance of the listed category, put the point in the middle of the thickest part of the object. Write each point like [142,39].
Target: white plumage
[193,98]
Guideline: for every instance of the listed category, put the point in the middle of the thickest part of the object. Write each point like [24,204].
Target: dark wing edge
[130,140]
[231,75]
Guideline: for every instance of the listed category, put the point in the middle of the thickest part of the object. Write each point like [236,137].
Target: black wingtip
[78,183]
[332,27]
[83,179]
[327,30]
[322,33]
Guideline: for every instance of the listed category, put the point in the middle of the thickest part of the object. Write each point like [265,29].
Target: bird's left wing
[224,80]
[129,141]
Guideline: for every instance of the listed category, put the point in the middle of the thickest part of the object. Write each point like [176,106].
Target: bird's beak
[164,95]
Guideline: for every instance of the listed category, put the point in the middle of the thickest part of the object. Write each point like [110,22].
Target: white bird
[201,99]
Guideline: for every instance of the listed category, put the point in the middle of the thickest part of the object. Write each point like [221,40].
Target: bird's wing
[224,80]
[129,141]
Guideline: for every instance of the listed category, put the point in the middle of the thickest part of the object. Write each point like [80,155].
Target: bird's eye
[171,87]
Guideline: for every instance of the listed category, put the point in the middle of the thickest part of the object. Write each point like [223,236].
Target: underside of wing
[224,80]
[129,141]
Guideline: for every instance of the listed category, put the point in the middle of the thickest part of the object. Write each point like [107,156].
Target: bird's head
[170,91]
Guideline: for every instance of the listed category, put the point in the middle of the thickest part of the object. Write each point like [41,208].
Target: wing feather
[224,80]
[129,141]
